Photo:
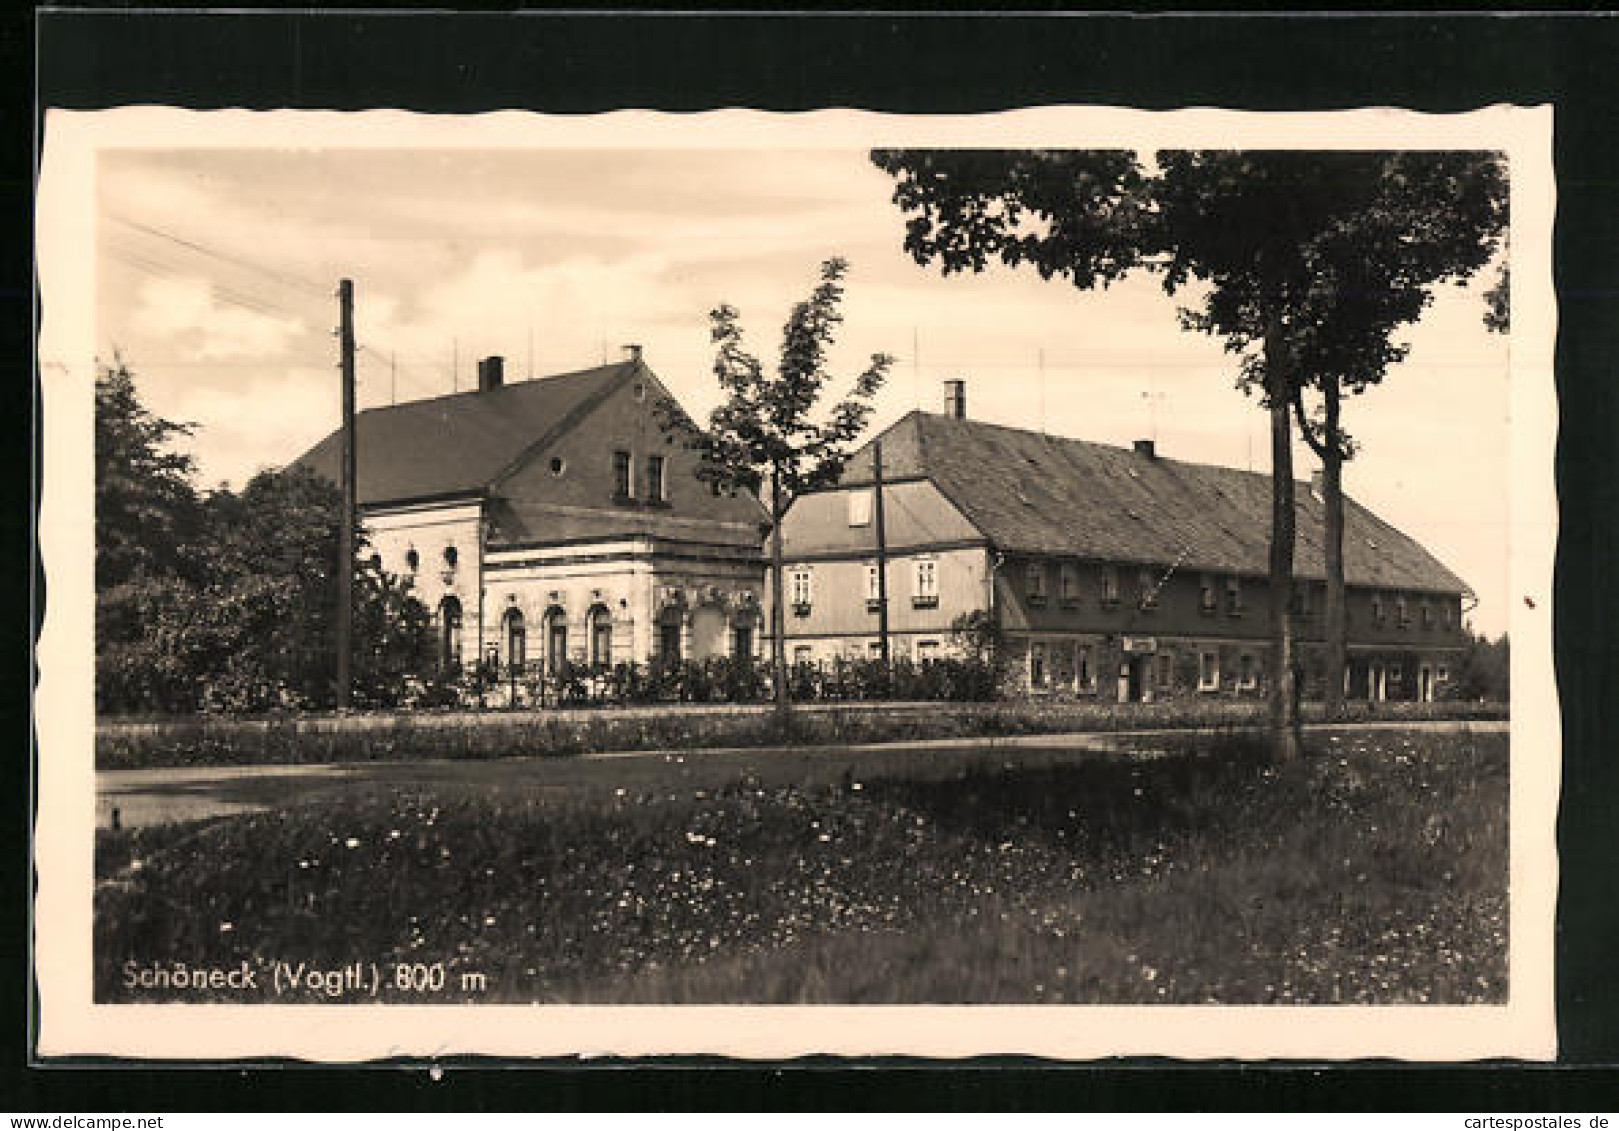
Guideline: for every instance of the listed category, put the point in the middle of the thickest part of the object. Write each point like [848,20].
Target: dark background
[893,62]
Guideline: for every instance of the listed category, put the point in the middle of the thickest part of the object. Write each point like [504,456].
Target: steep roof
[1032,493]
[460,443]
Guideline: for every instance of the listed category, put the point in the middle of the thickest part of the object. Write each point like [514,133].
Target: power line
[284,279]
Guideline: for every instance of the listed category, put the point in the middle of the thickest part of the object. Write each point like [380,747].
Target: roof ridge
[511,385]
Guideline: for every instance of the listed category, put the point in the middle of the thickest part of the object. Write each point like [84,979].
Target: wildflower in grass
[352,842]
[226,927]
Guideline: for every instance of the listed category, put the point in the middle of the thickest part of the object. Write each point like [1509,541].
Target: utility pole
[345,542]
[882,552]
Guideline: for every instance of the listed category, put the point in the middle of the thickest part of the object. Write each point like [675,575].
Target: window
[1378,611]
[874,650]
[558,465]
[601,636]
[516,642]
[800,587]
[1427,614]
[1208,670]
[1165,669]
[802,653]
[925,584]
[451,556]
[669,638]
[1149,589]
[1444,674]
[623,477]
[413,560]
[556,639]
[1395,671]
[1070,584]
[1299,605]
[859,508]
[1247,675]
[1450,616]
[1233,597]
[449,617]
[927,651]
[873,583]
[1084,674]
[1207,601]
[1037,665]
[1110,585]
[1402,612]
[742,642]
[1034,582]
[654,479]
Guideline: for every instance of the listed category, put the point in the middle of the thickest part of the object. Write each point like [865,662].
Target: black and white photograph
[649,583]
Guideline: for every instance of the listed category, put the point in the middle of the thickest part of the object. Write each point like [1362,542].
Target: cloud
[189,313]
[267,420]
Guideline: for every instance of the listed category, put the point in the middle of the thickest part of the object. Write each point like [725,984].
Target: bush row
[545,733]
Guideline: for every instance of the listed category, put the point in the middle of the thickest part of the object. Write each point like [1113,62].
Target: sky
[217,272]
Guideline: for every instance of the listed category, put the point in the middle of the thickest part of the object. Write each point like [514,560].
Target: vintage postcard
[1071,582]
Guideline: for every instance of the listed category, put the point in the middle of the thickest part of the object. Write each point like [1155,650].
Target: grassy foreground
[1373,871]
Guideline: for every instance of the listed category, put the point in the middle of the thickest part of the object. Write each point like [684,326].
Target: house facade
[1110,573]
[554,520]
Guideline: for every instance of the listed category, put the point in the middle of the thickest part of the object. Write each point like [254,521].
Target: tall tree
[1249,232]
[1438,217]
[146,507]
[770,434]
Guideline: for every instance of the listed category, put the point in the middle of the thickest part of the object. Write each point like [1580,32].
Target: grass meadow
[1184,871]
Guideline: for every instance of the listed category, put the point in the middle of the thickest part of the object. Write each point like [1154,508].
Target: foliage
[1185,873]
[463,735]
[1304,262]
[146,508]
[766,431]
[1485,671]
[228,602]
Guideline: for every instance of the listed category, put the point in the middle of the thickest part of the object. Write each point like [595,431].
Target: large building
[555,519]
[1111,572]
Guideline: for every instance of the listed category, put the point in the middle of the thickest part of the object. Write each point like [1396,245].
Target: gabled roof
[461,443]
[1036,494]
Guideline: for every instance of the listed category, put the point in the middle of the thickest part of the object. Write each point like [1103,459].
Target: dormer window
[859,508]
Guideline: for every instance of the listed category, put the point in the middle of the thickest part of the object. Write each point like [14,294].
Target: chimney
[955,399]
[632,351]
[491,374]
[1146,448]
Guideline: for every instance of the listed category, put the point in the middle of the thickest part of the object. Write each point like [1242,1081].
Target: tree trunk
[1332,490]
[1284,724]
[778,621]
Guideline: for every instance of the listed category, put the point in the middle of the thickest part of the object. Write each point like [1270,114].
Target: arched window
[516,642]
[601,635]
[556,638]
[449,620]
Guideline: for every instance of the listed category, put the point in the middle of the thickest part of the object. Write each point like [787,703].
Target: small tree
[766,436]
